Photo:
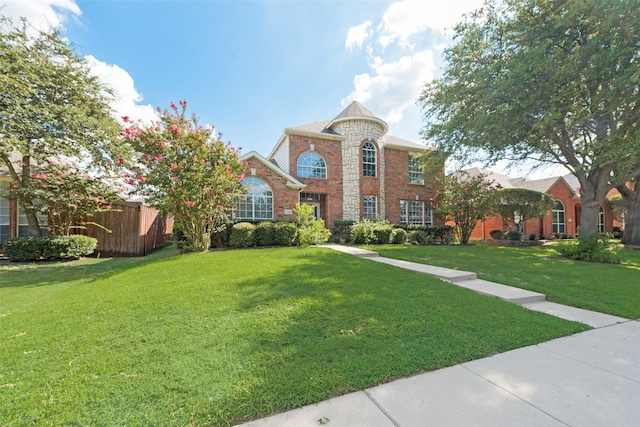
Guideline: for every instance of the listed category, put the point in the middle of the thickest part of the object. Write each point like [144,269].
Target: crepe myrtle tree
[185,171]
[51,107]
[519,205]
[67,196]
[464,199]
[551,80]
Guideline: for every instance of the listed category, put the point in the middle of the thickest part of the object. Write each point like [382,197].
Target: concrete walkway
[587,379]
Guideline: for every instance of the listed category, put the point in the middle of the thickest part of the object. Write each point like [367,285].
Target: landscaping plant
[187,172]
[311,230]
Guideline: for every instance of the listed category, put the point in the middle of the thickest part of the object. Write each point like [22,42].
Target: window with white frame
[557,218]
[369,161]
[311,165]
[23,223]
[416,212]
[257,202]
[415,171]
[601,220]
[4,213]
[369,207]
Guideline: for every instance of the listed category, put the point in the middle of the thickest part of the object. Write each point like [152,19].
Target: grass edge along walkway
[225,337]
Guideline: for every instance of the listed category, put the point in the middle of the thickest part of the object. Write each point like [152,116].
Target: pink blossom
[189,203]
[125,119]
[227,167]
[159,157]
[175,178]
[110,163]
[174,106]
[141,178]
[44,185]
[229,175]
[183,104]
[121,161]
[174,166]
[175,129]
[241,176]
[160,144]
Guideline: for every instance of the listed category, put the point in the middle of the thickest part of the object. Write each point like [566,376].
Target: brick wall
[283,197]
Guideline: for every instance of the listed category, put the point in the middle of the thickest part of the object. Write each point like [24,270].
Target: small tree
[464,199]
[311,230]
[520,204]
[68,196]
[186,172]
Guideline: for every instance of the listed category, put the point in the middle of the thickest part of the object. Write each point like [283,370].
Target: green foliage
[599,249]
[52,105]
[512,203]
[369,232]
[420,238]
[67,196]
[242,235]
[513,235]
[342,230]
[398,236]
[544,79]
[264,233]
[497,234]
[311,230]
[465,200]
[186,172]
[49,248]
[284,233]
[222,236]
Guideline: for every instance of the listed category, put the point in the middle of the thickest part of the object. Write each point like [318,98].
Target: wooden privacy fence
[132,229]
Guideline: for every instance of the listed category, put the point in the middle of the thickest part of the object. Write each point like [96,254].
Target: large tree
[51,106]
[520,204]
[630,201]
[554,80]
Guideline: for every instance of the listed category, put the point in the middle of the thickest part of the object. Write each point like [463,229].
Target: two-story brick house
[347,168]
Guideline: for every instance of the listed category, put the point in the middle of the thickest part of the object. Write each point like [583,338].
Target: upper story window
[311,165]
[557,218]
[256,202]
[415,171]
[369,161]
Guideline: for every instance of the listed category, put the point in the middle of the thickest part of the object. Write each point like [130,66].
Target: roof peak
[357,110]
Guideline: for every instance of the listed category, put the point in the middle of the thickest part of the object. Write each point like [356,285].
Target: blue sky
[252,68]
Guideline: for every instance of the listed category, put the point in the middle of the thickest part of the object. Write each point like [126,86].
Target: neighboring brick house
[563,220]
[347,168]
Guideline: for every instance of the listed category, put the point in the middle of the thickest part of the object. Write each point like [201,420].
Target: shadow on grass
[90,269]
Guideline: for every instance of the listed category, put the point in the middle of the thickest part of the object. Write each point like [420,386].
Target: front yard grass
[223,337]
[607,288]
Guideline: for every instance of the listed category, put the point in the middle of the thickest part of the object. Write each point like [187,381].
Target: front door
[316,209]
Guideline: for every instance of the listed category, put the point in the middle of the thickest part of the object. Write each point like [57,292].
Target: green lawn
[222,337]
[607,288]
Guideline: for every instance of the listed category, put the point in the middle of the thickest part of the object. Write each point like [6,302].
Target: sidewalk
[588,379]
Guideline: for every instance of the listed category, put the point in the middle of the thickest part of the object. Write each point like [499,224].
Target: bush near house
[284,233]
[49,248]
[264,233]
[242,235]
[398,236]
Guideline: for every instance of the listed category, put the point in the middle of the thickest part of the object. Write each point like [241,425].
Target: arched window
[369,159]
[311,165]
[557,220]
[256,202]
[601,220]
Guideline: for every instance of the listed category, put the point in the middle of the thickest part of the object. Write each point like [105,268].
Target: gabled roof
[542,185]
[291,181]
[403,144]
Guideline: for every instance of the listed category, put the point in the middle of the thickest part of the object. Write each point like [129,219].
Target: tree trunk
[631,201]
[589,218]
[32,218]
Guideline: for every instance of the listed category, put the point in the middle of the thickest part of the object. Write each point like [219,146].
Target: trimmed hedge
[242,235]
[49,248]
[264,233]
[398,236]
[284,233]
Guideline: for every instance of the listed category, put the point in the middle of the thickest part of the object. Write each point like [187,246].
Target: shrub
[264,233]
[221,238]
[399,236]
[178,236]
[496,234]
[342,230]
[513,235]
[284,233]
[598,249]
[420,238]
[532,237]
[242,235]
[49,247]
[383,231]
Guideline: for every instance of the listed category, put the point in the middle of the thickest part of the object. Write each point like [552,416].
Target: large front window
[257,202]
[416,212]
[601,220]
[4,213]
[369,159]
[311,165]
[557,215]
[416,171]
[369,207]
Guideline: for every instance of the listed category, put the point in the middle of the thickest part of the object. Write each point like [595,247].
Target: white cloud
[128,97]
[394,86]
[405,18]
[358,34]
[47,14]
[42,14]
